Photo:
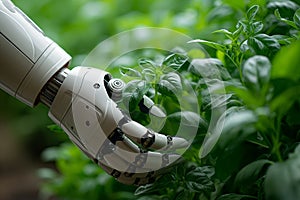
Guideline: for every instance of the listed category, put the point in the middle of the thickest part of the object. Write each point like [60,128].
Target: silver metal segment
[116,87]
[51,88]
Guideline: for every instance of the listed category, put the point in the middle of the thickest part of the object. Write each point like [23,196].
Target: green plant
[82,179]
[256,155]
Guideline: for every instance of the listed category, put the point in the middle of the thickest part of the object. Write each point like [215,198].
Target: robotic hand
[82,101]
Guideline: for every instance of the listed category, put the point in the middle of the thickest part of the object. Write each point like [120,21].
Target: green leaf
[236,125]
[277,14]
[283,179]
[291,23]
[250,173]
[149,75]
[286,63]
[209,68]
[257,27]
[133,93]
[297,18]
[156,186]
[214,45]
[175,61]
[283,39]
[126,71]
[146,189]
[198,180]
[252,12]
[147,64]
[235,197]
[170,84]
[263,44]
[226,32]
[256,72]
[237,32]
[239,124]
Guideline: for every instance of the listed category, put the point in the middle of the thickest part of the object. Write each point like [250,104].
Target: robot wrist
[50,90]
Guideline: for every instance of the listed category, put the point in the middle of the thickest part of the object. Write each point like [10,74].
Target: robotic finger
[129,160]
[147,106]
[145,168]
[150,139]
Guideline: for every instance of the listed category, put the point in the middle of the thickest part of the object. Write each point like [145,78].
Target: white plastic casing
[28,59]
[84,110]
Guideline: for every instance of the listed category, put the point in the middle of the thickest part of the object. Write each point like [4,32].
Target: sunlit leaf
[256,72]
[147,64]
[214,45]
[170,84]
[237,32]
[175,61]
[252,12]
[286,63]
[226,32]
[257,27]
[209,68]
[126,71]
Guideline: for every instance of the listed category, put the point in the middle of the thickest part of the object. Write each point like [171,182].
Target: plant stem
[276,140]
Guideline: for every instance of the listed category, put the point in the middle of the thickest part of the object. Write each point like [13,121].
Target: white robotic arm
[28,58]
[81,101]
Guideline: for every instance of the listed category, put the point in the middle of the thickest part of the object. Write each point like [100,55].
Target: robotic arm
[33,69]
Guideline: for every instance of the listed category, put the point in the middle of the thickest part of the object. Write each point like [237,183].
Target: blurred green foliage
[78,25]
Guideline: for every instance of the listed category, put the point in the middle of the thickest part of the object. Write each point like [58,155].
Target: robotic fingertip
[157,112]
[178,142]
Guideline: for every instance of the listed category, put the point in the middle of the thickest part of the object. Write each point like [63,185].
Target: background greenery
[252,160]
